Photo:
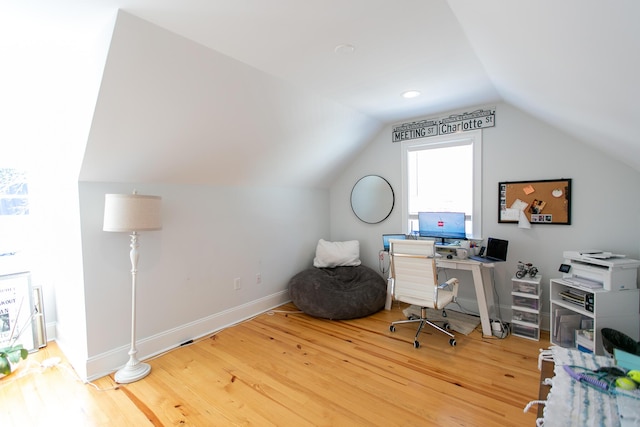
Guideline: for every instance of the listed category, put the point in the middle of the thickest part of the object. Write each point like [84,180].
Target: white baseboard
[50,329]
[108,362]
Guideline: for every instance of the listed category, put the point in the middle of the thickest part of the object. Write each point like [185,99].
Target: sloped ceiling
[573,64]
[260,99]
[171,110]
[257,94]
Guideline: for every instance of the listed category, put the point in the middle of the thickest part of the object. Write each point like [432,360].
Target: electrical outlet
[236,283]
[258,278]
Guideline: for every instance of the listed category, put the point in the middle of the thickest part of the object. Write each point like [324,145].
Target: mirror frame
[377,191]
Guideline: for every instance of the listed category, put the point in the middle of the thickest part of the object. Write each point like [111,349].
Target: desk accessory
[526,268]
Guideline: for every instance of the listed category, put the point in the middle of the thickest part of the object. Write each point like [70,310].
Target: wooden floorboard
[286,368]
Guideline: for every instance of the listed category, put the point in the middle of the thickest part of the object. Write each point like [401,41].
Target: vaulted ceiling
[253,91]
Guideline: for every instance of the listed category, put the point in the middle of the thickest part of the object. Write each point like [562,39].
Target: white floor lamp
[132,213]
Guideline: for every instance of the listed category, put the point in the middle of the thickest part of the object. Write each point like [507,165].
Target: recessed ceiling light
[410,94]
[344,49]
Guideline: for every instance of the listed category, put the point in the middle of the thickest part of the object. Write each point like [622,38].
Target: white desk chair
[414,280]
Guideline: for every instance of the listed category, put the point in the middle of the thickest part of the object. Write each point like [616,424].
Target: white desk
[481,282]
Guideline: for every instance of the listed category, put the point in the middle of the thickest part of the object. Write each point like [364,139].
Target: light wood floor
[289,369]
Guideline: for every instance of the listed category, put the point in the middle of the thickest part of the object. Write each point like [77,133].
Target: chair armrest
[453,283]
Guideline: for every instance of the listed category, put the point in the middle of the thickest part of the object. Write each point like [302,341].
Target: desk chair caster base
[452,343]
[446,327]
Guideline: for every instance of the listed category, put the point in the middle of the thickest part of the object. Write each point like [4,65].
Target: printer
[614,272]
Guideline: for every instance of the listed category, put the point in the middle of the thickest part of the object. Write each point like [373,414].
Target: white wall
[49,87]
[605,204]
[210,236]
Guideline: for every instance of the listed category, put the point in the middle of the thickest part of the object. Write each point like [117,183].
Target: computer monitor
[442,225]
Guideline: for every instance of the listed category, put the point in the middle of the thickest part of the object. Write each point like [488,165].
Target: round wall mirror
[372,199]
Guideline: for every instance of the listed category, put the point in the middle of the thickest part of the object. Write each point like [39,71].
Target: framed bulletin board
[543,202]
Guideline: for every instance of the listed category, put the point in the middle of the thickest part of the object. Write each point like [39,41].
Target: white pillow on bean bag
[337,254]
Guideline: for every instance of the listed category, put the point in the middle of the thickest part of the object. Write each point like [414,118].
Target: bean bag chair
[332,290]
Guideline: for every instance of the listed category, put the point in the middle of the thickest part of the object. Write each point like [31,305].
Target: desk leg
[487,283]
[482,297]
[389,299]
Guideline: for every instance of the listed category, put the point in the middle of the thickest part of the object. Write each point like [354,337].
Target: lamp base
[132,373]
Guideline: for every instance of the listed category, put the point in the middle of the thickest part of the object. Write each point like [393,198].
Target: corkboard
[543,202]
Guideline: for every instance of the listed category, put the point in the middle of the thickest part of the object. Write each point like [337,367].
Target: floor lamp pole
[134,370]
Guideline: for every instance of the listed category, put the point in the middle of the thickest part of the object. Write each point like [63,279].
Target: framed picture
[543,202]
[16,311]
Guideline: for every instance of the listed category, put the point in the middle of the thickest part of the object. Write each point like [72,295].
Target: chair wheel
[392,328]
[416,344]
[444,313]
[446,326]
[452,341]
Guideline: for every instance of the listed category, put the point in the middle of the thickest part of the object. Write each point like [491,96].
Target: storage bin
[612,339]
[525,331]
[525,316]
[531,303]
[526,287]
[584,340]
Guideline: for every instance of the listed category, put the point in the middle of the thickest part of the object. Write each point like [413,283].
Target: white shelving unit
[525,300]
[603,309]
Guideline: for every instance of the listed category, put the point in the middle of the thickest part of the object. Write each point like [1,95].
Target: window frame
[473,137]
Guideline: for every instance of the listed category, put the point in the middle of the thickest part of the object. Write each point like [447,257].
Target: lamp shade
[132,212]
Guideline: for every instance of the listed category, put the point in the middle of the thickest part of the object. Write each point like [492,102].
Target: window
[14,210]
[13,192]
[443,173]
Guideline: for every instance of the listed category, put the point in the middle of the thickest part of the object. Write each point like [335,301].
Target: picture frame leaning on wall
[17,311]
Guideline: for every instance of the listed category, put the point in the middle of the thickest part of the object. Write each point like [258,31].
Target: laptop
[387,237]
[496,251]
